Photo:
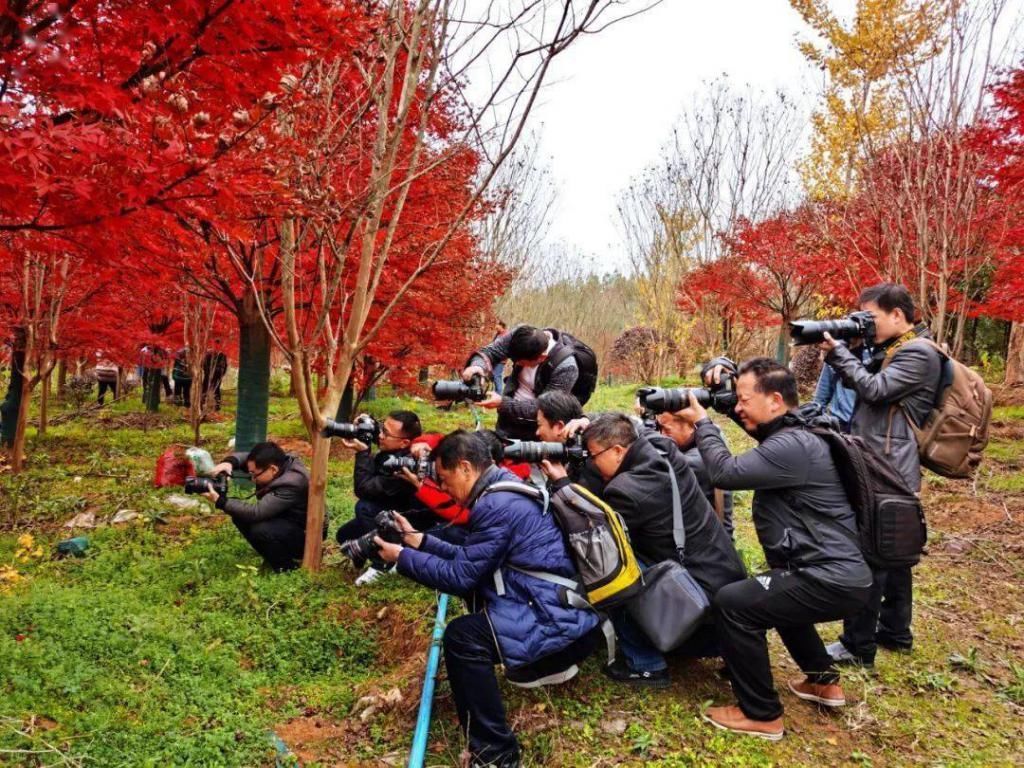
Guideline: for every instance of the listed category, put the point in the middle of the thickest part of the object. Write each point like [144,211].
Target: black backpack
[586,361]
[890,520]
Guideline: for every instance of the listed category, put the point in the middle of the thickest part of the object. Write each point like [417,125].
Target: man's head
[264,463]
[501,327]
[892,306]
[459,460]
[555,409]
[765,390]
[398,431]
[608,440]
[677,430]
[528,346]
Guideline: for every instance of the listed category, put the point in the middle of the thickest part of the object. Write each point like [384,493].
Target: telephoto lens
[364,429]
[201,485]
[460,391]
[658,400]
[857,325]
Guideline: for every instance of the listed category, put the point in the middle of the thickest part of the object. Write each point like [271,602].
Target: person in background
[498,373]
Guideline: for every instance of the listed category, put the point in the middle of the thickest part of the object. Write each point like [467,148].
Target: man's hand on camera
[829,343]
[553,471]
[212,496]
[419,450]
[411,478]
[386,551]
[573,427]
[356,445]
[224,468]
[694,412]
[492,401]
[714,375]
[471,371]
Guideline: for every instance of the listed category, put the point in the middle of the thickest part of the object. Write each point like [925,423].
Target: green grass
[164,646]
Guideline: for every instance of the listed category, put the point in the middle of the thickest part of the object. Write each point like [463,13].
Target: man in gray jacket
[275,525]
[900,383]
[541,362]
[807,529]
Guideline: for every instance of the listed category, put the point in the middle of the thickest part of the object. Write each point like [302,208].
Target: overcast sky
[613,99]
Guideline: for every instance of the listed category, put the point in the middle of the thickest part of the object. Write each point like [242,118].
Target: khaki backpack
[953,437]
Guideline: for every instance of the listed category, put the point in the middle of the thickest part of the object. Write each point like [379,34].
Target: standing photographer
[275,525]
[901,382]
[543,360]
[817,570]
[378,489]
[517,620]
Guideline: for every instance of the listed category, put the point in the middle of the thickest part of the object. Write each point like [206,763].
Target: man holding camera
[518,620]
[377,488]
[275,525]
[635,470]
[901,382]
[558,415]
[542,361]
[809,535]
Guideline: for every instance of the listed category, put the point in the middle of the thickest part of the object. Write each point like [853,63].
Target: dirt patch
[1003,395]
[294,445]
[143,421]
[180,525]
[1006,430]
[316,738]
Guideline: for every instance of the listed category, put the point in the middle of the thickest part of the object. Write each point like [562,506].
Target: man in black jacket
[555,411]
[377,490]
[541,362]
[635,469]
[275,525]
[900,383]
[808,532]
[683,434]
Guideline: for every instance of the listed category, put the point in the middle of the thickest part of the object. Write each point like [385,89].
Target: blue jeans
[640,655]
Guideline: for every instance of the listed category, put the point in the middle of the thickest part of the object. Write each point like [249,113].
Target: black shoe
[620,672]
[895,647]
[503,760]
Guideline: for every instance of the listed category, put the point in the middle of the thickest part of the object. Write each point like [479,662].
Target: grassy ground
[164,646]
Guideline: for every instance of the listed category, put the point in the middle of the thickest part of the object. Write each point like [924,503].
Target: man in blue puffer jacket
[519,621]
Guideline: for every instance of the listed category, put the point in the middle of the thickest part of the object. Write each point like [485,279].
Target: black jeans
[885,619]
[364,521]
[278,540]
[469,656]
[106,386]
[183,392]
[791,603]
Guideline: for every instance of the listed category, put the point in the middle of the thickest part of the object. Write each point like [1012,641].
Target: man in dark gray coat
[275,525]
[541,362]
[901,382]
[808,532]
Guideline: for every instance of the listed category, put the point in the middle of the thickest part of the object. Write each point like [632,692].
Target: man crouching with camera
[808,532]
[519,621]
[275,525]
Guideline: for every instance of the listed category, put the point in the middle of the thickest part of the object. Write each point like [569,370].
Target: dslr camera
[201,485]
[460,391]
[657,400]
[856,325]
[573,452]
[362,549]
[421,467]
[365,429]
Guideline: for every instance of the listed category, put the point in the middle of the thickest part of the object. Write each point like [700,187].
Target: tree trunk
[44,403]
[253,378]
[62,378]
[313,553]
[11,405]
[782,348]
[1015,357]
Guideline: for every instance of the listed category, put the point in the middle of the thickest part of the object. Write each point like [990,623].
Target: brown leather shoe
[733,719]
[828,695]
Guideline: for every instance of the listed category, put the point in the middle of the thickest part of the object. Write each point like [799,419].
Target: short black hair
[610,429]
[461,445]
[558,406]
[890,296]
[528,343]
[265,454]
[411,427]
[493,442]
[772,376]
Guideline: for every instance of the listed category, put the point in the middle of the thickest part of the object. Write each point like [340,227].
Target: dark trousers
[364,521]
[792,604]
[279,541]
[106,386]
[885,619]
[469,656]
[214,387]
[183,392]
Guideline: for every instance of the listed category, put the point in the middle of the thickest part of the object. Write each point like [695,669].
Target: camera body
[362,549]
[201,485]
[365,429]
[573,452]
[655,400]
[460,391]
[421,467]
[856,325]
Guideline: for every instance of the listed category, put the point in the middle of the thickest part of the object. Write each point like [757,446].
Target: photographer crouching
[275,526]
[809,535]
[518,620]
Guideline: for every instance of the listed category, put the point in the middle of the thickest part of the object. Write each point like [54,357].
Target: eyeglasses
[257,474]
[603,450]
[384,433]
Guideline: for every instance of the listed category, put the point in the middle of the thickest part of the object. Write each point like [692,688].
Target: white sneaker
[555,679]
[841,655]
[371,575]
